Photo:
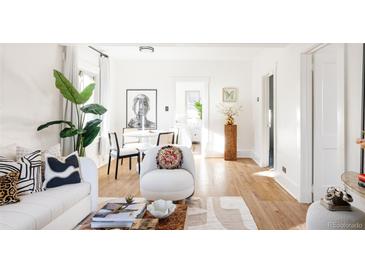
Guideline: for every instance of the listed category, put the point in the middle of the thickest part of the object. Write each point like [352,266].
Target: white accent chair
[167,184]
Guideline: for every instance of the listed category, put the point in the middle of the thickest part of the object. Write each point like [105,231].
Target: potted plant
[199,108]
[83,134]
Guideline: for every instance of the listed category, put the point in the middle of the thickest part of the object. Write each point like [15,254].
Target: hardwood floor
[271,206]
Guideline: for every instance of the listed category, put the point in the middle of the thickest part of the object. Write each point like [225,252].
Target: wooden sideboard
[230,143]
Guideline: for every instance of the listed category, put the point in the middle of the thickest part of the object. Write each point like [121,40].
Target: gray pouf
[318,217]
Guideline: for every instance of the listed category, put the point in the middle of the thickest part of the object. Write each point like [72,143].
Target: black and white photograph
[141,108]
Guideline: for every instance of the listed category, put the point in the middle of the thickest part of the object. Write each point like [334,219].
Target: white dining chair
[118,153]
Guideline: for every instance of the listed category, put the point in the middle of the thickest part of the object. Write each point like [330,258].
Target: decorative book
[118,215]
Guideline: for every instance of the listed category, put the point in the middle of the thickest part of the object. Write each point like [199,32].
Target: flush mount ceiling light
[147,49]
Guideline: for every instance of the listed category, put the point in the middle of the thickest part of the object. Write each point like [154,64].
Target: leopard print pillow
[9,189]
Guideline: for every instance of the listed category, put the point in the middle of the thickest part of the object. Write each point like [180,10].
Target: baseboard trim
[240,154]
[256,160]
[288,185]
[244,154]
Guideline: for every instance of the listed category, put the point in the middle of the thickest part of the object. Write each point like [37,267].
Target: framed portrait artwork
[230,95]
[141,108]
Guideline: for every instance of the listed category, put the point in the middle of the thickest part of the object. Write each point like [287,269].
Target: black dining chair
[177,131]
[118,153]
[166,138]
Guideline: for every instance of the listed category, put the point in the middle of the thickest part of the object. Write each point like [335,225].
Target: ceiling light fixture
[146,49]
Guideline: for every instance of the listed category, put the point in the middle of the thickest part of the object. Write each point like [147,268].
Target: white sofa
[56,208]
[167,184]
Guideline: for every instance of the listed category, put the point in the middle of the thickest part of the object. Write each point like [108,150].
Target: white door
[327,165]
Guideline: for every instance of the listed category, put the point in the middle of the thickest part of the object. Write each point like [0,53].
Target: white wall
[263,64]
[28,96]
[353,90]
[161,75]
[287,62]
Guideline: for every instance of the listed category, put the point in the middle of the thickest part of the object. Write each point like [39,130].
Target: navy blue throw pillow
[59,173]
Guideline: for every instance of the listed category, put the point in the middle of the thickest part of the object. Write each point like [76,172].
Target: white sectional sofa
[56,208]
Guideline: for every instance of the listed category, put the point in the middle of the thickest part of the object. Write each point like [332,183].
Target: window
[86,78]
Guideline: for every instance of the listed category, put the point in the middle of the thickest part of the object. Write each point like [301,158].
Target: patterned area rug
[218,213]
[208,213]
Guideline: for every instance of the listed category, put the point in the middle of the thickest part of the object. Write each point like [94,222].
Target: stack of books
[118,215]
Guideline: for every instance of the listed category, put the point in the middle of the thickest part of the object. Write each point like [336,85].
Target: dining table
[147,138]
[142,134]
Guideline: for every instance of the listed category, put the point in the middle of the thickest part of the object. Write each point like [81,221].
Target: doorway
[271,114]
[327,120]
[269,118]
[191,113]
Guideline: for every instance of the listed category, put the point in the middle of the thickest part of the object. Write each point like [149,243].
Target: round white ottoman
[318,217]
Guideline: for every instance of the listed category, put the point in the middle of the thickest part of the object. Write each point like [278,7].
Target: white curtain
[105,101]
[71,73]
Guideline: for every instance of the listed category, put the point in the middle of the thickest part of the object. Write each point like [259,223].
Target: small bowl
[161,209]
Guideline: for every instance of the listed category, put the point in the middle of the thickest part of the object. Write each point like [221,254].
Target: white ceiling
[239,52]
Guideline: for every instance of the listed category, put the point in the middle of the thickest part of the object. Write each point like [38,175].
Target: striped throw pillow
[29,168]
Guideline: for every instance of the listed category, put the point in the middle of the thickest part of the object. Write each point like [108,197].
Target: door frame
[265,108]
[306,118]
[205,102]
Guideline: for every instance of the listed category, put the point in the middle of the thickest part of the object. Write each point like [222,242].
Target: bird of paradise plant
[83,134]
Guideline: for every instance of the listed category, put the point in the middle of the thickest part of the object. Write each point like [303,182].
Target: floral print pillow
[169,157]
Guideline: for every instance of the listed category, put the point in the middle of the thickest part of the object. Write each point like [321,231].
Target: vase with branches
[230,112]
[83,134]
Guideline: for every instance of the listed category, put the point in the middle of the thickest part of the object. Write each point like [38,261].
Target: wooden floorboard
[271,206]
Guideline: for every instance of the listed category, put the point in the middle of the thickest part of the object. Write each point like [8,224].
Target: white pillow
[8,152]
[54,150]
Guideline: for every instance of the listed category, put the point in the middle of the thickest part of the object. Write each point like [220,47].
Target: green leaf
[66,88]
[91,130]
[68,132]
[90,135]
[91,124]
[70,124]
[94,109]
[86,93]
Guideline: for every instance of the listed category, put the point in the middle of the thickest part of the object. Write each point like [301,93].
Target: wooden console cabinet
[230,145]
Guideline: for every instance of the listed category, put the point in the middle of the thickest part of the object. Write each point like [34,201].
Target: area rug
[209,213]
[214,213]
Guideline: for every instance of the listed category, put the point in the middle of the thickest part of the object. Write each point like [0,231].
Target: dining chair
[134,142]
[129,141]
[166,138]
[177,131]
[118,152]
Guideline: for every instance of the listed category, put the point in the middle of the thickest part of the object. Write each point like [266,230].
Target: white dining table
[145,137]
[140,134]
